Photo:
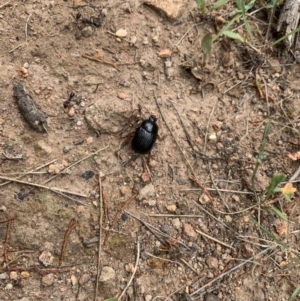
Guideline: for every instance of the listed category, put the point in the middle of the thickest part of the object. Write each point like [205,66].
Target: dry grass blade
[214,239]
[100,238]
[230,271]
[118,216]
[54,189]
[135,268]
[77,162]
[71,226]
[29,172]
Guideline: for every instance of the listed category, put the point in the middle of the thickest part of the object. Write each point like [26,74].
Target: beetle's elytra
[145,136]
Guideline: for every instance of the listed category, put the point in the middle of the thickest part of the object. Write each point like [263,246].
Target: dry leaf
[23,72]
[121,95]
[295,156]
[165,53]
[288,189]
[171,208]
[99,55]
[280,226]
[145,176]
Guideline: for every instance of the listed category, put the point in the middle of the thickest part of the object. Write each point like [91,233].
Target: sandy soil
[211,123]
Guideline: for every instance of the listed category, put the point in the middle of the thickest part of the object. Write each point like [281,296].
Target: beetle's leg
[148,158]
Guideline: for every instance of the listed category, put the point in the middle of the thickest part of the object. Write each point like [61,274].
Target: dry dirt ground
[211,123]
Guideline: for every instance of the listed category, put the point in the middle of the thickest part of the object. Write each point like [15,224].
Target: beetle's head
[153,118]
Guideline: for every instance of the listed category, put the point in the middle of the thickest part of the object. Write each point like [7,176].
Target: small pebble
[126,7]
[67,148]
[89,140]
[78,99]
[133,40]
[3,208]
[176,223]
[79,141]
[145,41]
[88,174]
[168,64]
[26,65]
[165,228]
[79,123]
[87,31]
[152,203]
[13,275]
[71,112]
[3,276]
[9,286]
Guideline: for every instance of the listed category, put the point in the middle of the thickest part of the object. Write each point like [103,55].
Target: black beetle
[145,136]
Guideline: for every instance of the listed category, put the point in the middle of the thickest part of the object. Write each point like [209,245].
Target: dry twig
[26,27]
[115,65]
[29,172]
[9,221]
[79,161]
[229,271]
[214,239]
[118,216]
[204,189]
[135,268]
[54,189]
[71,226]
[100,237]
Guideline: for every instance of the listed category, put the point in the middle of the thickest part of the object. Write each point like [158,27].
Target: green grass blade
[241,7]
[233,35]
[206,43]
[295,293]
[201,5]
[226,26]
[279,213]
[285,36]
[271,235]
[277,179]
[220,3]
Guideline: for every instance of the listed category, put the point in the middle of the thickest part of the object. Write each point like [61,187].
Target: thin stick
[32,170]
[164,259]
[113,34]
[100,237]
[155,231]
[207,126]
[115,65]
[189,266]
[79,161]
[5,4]
[295,175]
[71,226]
[213,189]
[117,217]
[194,25]
[13,49]
[173,215]
[7,240]
[213,182]
[167,124]
[72,199]
[230,271]
[26,27]
[54,189]
[214,239]
[203,188]
[135,268]
[217,220]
